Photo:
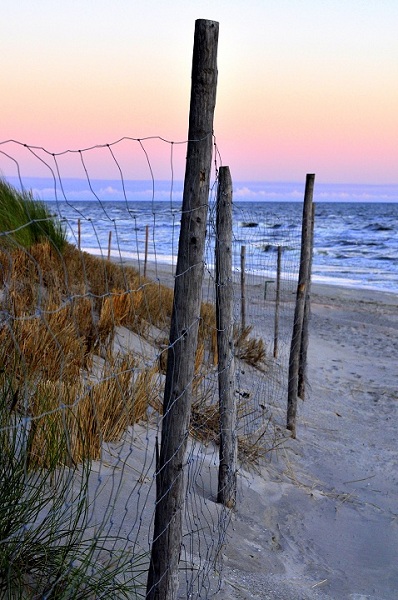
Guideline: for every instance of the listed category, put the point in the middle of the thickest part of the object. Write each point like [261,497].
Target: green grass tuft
[47,548]
[24,221]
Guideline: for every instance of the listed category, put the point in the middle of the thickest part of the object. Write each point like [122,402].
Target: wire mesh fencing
[87,279]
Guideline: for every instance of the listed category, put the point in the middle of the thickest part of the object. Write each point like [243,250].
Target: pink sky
[304,86]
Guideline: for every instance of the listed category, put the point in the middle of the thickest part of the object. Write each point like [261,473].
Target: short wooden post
[146,248]
[302,286]
[163,580]
[266,284]
[225,342]
[243,287]
[277,300]
[306,319]
[79,234]
[109,245]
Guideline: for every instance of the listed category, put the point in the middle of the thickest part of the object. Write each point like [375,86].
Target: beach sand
[322,519]
[319,519]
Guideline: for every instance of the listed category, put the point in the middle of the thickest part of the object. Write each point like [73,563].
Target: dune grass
[63,311]
[24,221]
[65,391]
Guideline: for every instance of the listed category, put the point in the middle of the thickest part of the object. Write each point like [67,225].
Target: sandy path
[326,507]
[321,519]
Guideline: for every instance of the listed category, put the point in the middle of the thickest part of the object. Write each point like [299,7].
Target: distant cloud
[109,190]
[248,193]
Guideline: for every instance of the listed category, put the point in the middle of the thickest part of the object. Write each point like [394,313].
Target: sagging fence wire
[84,345]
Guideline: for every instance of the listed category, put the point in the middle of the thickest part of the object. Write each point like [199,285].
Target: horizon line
[163,180]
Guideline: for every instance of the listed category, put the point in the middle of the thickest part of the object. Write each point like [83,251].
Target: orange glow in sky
[303,86]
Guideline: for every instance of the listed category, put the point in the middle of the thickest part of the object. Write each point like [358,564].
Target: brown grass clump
[252,448]
[122,303]
[63,423]
[199,369]
[111,398]
[43,347]
[251,350]
[98,276]
[145,394]
[39,270]
[132,318]
[205,421]
[61,310]
[83,317]
[155,305]
[77,417]
[106,325]
[73,420]
[49,263]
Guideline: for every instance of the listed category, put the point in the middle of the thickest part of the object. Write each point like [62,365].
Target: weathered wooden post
[277,300]
[302,287]
[162,583]
[306,320]
[243,287]
[109,245]
[79,236]
[146,248]
[225,342]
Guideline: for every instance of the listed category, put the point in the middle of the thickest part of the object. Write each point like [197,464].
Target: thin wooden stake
[243,287]
[302,374]
[109,245]
[79,234]
[302,287]
[277,300]
[146,248]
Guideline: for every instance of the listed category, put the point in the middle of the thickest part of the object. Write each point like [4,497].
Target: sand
[322,519]
[319,519]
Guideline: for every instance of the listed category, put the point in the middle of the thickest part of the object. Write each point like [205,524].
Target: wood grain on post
[302,374]
[163,580]
[225,342]
[302,286]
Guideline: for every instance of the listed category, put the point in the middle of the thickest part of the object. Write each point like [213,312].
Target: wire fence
[84,345]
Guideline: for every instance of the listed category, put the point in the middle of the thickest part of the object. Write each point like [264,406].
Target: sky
[304,86]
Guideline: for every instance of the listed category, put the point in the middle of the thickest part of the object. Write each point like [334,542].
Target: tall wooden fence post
[225,342]
[243,287]
[302,287]
[162,582]
[302,375]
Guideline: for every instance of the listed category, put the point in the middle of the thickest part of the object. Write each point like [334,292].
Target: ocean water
[356,226]
[355,243]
